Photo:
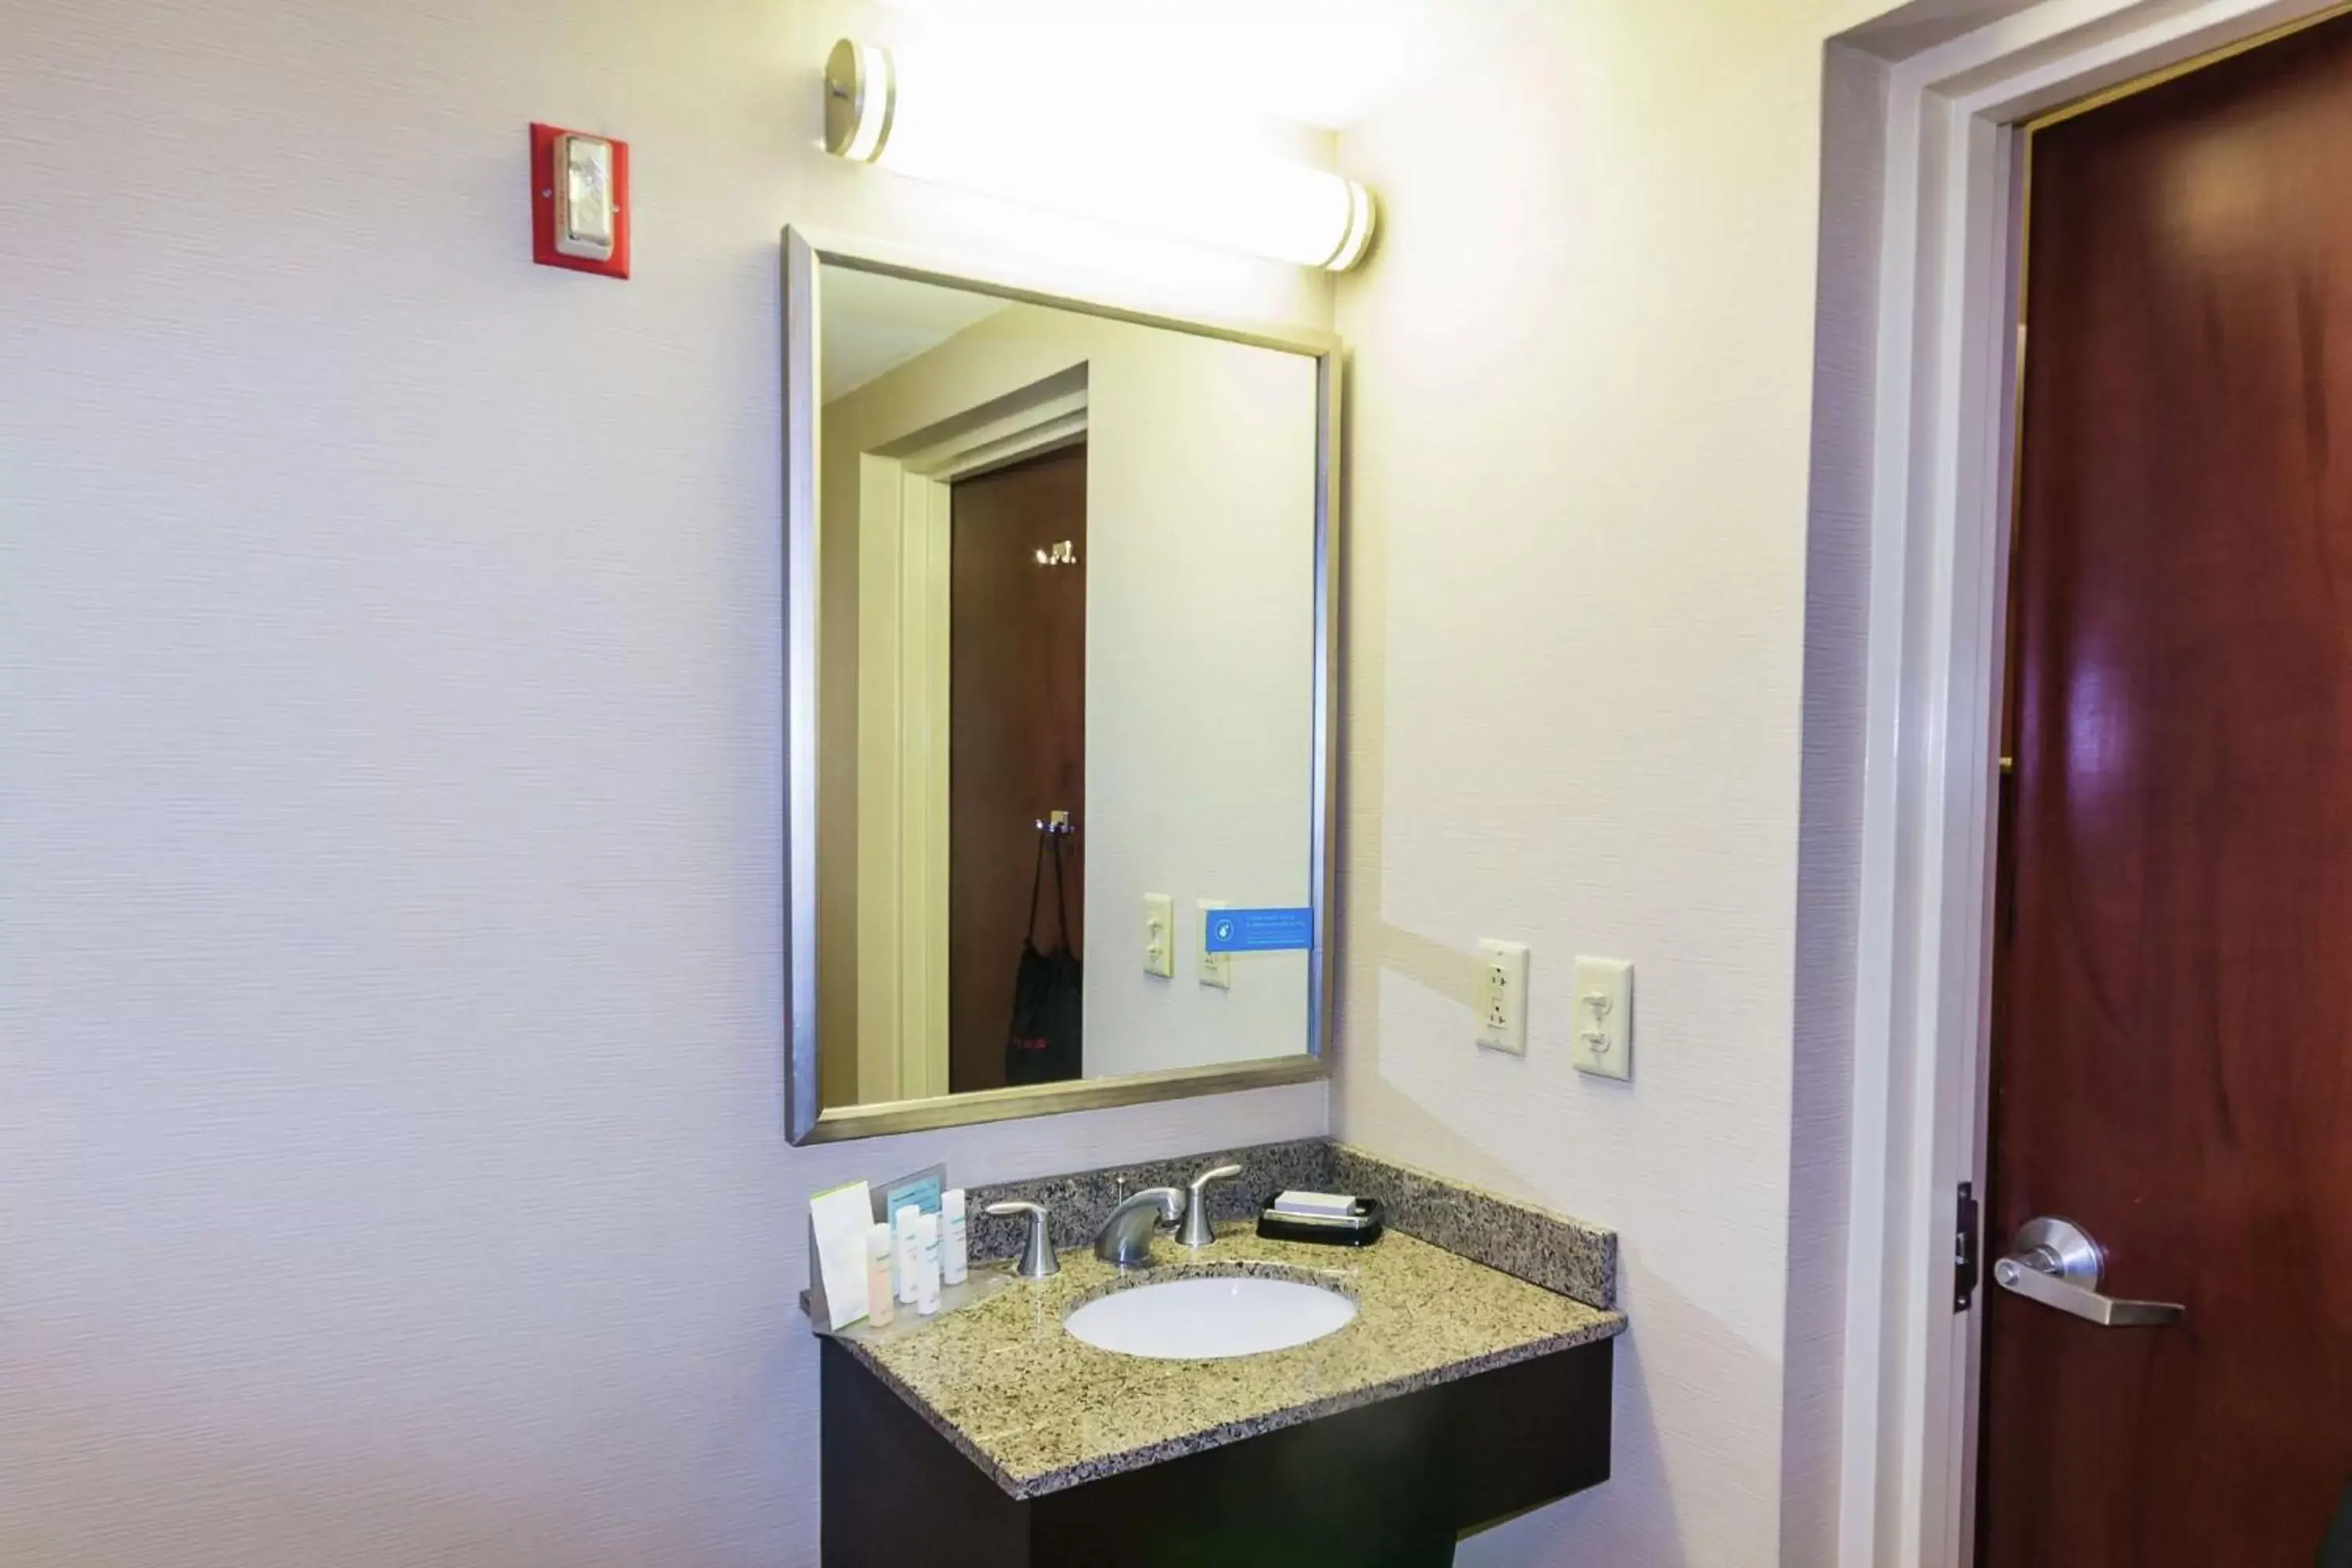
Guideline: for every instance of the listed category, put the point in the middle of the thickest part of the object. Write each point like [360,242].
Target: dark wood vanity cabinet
[1385,1485]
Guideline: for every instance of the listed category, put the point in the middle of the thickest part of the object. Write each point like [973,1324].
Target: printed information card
[1260,930]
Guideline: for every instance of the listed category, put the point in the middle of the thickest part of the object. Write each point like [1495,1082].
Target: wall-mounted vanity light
[1001,139]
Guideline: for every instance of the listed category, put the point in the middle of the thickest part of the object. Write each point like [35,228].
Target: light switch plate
[1159,935]
[1216,968]
[1503,995]
[1601,1035]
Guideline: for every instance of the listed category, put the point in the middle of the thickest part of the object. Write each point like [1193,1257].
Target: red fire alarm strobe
[579,201]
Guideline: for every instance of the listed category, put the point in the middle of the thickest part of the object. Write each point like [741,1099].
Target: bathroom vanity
[1456,1395]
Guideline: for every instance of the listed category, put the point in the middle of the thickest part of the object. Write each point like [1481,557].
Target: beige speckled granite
[1040,1410]
[1077,1204]
[1526,1242]
[1553,1250]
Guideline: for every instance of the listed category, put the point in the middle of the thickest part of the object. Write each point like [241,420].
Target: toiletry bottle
[880,1310]
[954,1245]
[927,1266]
[910,1252]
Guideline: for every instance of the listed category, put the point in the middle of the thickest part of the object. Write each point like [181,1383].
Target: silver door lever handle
[2055,1262]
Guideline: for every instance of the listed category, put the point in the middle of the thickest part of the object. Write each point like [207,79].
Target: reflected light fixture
[955,129]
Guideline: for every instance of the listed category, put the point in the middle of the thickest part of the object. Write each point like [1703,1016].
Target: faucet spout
[1125,1239]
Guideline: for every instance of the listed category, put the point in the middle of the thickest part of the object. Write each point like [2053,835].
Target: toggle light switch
[583,196]
[1159,935]
[1603,1029]
[579,201]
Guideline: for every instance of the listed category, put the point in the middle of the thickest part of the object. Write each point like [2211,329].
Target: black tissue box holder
[1361,1227]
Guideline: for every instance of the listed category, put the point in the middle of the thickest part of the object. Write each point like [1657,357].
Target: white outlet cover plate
[1601,1031]
[1501,1002]
[1216,968]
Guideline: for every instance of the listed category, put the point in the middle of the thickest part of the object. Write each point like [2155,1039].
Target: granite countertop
[1040,1410]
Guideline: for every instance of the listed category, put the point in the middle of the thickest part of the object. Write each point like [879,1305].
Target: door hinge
[1965,1263]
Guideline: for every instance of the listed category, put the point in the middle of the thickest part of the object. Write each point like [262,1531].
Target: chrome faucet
[1125,1239]
[1197,1231]
[1038,1259]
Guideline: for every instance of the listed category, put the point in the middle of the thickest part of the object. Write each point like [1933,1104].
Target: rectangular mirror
[1058,592]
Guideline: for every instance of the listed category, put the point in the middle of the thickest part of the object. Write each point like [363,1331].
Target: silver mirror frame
[807,1121]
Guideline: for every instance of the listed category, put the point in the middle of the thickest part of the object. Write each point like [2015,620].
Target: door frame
[1941,204]
[905,538]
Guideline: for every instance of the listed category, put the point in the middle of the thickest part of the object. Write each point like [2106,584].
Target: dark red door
[2173,1051]
[1017,736]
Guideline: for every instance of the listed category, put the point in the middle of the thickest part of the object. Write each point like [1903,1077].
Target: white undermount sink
[1208,1319]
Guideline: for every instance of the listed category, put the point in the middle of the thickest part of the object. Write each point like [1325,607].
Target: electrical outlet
[1159,935]
[1602,1041]
[1216,968]
[1503,995]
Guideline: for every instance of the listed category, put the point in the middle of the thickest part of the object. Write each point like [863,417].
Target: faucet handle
[1197,1231]
[1038,1259]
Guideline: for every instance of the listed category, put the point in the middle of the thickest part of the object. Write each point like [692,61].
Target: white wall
[1200,692]
[1582,387]
[1200,565]
[389,990]
[390,1000]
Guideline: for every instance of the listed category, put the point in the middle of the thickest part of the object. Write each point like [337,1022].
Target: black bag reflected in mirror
[1042,1046]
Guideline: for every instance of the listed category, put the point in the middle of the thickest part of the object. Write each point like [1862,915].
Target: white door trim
[905,539]
[902,577]
[1052,414]
[1941,418]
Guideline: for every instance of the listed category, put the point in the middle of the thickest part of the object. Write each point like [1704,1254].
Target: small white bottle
[910,1252]
[954,1244]
[927,1266]
[880,1311]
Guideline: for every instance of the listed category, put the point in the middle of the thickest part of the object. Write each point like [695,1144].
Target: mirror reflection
[1067,709]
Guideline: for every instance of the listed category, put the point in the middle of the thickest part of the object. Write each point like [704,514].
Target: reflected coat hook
[1056,822]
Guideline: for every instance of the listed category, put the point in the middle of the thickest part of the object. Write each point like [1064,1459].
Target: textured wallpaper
[1583,386]
[390,759]
[391,1162]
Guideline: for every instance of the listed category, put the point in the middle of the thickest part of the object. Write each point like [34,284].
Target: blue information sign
[1260,930]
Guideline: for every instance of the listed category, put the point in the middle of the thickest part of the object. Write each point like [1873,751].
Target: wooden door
[1017,736]
[2173,1066]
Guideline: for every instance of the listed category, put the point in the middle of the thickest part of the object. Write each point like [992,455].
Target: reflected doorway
[1017,755]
